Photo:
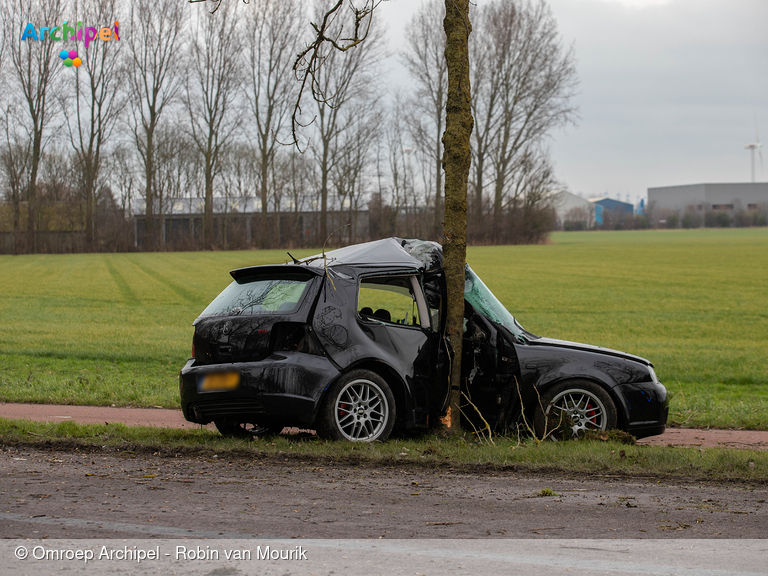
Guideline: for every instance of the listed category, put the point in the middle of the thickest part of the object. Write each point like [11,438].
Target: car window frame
[417,290]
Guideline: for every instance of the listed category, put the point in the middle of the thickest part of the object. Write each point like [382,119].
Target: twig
[325,260]
[487,426]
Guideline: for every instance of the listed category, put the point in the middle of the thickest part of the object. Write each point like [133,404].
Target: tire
[234,429]
[359,407]
[588,405]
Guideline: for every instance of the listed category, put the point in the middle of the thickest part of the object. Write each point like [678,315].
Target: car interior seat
[382,314]
[367,311]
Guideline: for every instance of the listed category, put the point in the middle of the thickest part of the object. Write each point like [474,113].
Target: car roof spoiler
[279,269]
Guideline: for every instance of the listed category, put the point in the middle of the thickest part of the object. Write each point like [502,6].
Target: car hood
[542,341]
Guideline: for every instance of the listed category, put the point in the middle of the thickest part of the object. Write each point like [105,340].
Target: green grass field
[116,328]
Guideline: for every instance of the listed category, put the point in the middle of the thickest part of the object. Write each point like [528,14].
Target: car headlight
[654,378]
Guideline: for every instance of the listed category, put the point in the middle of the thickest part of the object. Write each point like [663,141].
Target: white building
[572,208]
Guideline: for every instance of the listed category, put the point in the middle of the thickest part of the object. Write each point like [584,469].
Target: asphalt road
[387,557]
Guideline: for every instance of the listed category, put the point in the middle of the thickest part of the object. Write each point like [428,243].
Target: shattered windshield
[483,300]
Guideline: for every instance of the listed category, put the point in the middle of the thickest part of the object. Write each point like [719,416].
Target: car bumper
[648,405]
[285,388]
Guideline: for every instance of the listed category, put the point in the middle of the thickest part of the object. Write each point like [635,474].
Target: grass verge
[594,457]
[105,329]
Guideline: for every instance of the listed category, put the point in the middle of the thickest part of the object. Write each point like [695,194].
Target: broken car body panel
[292,332]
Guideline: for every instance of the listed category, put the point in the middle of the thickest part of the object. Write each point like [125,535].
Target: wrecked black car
[350,343]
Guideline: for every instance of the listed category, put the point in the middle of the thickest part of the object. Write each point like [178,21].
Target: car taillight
[193,350]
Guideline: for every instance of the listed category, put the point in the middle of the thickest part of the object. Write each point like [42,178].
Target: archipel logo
[64,33]
[70,58]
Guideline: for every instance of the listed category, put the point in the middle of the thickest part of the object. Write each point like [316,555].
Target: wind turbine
[756,146]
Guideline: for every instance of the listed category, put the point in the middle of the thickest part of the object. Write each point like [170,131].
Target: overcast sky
[669,91]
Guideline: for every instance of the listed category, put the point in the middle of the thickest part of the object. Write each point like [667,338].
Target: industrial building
[573,212]
[616,206]
[732,199]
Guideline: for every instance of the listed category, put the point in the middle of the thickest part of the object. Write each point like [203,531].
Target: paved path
[160,417]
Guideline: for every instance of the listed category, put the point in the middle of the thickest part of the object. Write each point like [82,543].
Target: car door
[395,314]
[490,373]
[393,326]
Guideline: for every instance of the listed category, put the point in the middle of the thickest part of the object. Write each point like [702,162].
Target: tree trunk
[324,196]
[149,210]
[264,239]
[208,238]
[89,210]
[32,191]
[477,233]
[497,209]
[89,186]
[457,159]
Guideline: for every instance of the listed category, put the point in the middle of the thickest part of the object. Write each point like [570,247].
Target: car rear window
[260,295]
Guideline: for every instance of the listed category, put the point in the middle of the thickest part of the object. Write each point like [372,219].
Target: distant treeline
[179,103]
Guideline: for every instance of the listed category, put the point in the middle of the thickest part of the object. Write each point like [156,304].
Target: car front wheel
[580,405]
[359,407]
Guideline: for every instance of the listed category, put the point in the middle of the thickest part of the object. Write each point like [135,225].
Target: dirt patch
[165,418]
[106,495]
[745,439]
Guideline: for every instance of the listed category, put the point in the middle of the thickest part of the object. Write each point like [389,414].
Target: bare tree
[297,170]
[35,70]
[532,90]
[349,175]
[123,178]
[98,102]
[15,156]
[211,88]
[155,74]
[59,218]
[344,77]
[272,88]
[489,64]
[528,204]
[424,57]
[240,182]
[400,168]
[174,154]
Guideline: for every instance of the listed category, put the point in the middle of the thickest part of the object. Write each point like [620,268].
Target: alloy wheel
[584,410]
[361,411]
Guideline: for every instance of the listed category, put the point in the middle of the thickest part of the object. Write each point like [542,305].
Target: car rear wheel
[359,407]
[236,429]
[579,405]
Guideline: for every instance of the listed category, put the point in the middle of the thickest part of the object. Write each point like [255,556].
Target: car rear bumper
[285,388]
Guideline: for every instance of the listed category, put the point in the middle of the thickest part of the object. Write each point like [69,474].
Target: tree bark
[264,236]
[457,160]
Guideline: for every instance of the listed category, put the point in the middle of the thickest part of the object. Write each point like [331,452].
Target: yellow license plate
[219,381]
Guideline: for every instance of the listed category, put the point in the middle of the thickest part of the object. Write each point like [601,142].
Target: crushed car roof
[396,252]
[386,253]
